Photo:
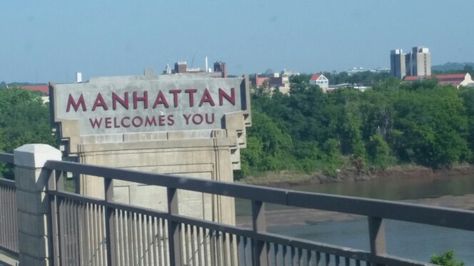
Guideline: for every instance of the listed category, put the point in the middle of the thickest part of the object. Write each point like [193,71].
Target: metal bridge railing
[92,231]
[187,241]
[8,211]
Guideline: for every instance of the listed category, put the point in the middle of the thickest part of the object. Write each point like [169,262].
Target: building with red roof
[457,80]
[42,88]
[272,82]
[319,80]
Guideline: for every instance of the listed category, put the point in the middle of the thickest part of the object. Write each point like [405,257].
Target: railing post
[56,183]
[174,228]
[377,236]
[33,203]
[259,225]
[109,223]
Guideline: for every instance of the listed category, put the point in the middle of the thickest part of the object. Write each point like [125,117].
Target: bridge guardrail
[88,230]
[268,247]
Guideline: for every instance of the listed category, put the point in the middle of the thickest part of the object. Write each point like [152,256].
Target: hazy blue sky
[50,40]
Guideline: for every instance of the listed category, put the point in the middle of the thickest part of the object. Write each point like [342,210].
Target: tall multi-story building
[397,63]
[417,63]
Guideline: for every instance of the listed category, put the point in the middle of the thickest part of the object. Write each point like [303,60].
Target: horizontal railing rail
[265,243]
[354,254]
[7,182]
[6,157]
[100,231]
[432,215]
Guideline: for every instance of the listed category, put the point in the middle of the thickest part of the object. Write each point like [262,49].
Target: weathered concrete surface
[173,124]
[202,158]
[114,105]
[32,202]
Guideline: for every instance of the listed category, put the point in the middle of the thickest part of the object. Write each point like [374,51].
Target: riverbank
[452,188]
[291,178]
[299,216]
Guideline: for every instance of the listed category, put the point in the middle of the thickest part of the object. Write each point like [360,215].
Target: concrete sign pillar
[180,124]
[32,201]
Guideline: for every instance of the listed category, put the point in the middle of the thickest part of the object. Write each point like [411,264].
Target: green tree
[269,147]
[23,119]
[379,152]
[430,127]
[332,158]
[395,122]
[468,99]
[446,259]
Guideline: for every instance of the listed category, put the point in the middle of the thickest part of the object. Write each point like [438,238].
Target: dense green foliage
[23,119]
[392,123]
[446,259]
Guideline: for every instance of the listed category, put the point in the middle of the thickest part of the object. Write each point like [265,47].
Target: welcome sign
[114,105]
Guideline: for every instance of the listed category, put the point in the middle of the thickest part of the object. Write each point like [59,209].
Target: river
[408,240]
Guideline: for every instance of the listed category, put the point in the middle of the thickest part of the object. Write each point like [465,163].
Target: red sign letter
[143,99]
[123,101]
[206,98]
[75,105]
[191,93]
[223,95]
[160,99]
[100,102]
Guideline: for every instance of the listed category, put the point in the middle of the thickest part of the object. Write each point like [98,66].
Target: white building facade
[320,80]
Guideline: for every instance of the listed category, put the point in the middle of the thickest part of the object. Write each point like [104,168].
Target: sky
[51,40]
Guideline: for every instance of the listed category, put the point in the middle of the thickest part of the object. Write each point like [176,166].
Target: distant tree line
[393,123]
[419,123]
[450,68]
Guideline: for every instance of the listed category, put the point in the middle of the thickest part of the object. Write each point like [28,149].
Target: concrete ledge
[151,136]
[35,155]
[164,144]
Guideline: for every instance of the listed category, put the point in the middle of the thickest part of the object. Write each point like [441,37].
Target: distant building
[356,70]
[417,63]
[456,80]
[272,81]
[354,86]
[283,82]
[181,67]
[220,67]
[259,81]
[43,89]
[397,63]
[320,80]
